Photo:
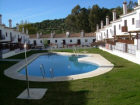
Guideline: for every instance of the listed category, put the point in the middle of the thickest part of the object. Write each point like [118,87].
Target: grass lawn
[121,86]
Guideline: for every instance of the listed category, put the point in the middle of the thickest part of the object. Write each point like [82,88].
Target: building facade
[64,40]
[121,34]
[11,39]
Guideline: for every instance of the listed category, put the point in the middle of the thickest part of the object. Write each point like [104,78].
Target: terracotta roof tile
[59,36]
[90,34]
[64,35]
[75,35]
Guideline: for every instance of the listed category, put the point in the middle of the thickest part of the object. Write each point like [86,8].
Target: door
[107,34]
[115,30]
[125,22]
[64,42]
[79,42]
[34,42]
[48,41]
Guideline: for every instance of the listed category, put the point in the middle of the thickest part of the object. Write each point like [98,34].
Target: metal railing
[42,70]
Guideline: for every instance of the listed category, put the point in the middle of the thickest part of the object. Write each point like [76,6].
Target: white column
[124,7]
[17,27]
[114,15]
[10,23]
[22,29]
[82,33]
[138,2]
[102,24]
[37,35]
[97,27]
[107,20]
[27,31]
[67,34]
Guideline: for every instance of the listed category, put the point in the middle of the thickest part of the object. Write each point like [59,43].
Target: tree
[131,5]
[94,17]
[45,42]
[30,27]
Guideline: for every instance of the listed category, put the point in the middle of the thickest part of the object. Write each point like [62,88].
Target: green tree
[45,42]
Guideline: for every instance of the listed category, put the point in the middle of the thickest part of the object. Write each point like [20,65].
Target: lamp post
[26,70]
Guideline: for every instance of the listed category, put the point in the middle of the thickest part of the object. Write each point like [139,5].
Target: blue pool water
[61,65]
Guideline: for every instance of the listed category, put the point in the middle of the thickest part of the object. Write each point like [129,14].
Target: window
[6,34]
[40,41]
[70,40]
[86,40]
[125,22]
[55,41]
[94,40]
[133,21]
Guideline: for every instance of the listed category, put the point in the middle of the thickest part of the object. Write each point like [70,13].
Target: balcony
[124,29]
[137,23]
[126,41]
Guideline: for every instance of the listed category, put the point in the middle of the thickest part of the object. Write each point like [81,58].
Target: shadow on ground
[59,93]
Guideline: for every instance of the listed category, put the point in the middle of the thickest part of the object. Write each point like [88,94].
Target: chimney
[27,31]
[107,20]
[40,33]
[17,27]
[124,7]
[82,33]
[67,34]
[114,15]
[37,35]
[0,19]
[52,34]
[138,2]
[22,29]
[102,24]
[10,23]
[97,27]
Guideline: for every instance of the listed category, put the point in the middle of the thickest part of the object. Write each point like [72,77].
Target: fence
[121,47]
[131,49]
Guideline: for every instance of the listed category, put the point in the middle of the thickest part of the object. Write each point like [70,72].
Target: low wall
[138,54]
[12,53]
[130,57]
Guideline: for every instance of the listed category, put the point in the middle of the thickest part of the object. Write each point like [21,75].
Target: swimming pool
[56,65]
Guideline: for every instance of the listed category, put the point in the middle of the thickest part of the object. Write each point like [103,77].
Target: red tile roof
[64,35]
[75,35]
[59,36]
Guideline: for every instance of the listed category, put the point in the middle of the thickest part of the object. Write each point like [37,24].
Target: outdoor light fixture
[26,70]
[31,93]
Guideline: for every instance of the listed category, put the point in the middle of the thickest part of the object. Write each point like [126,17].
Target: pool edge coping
[13,71]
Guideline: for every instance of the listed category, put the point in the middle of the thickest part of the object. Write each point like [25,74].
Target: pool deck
[104,66]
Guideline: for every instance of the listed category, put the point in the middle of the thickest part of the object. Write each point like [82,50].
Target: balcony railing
[137,23]
[126,41]
[124,29]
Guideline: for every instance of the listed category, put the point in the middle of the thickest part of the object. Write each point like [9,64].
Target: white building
[64,40]
[11,40]
[121,34]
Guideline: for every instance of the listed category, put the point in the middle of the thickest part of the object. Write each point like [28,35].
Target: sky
[39,10]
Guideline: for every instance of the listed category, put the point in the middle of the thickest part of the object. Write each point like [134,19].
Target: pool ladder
[42,70]
[75,51]
[51,72]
